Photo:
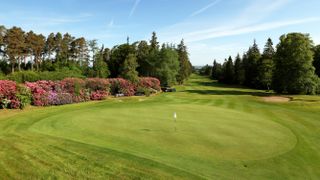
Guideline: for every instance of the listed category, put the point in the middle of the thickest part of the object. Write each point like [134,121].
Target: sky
[212,29]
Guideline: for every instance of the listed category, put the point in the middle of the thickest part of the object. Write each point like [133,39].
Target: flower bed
[69,90]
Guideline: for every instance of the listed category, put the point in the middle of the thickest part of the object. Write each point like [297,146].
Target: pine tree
[185,65]
[229,71]
[129,71]
[15,41]
[265,66]
[239,73]
[100,67]
[316,62]
[216,71]
[251,65]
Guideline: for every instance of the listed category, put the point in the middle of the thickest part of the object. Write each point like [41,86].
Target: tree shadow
[234,90]
[228,92]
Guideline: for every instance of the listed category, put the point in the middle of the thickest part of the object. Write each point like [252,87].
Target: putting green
[215,132]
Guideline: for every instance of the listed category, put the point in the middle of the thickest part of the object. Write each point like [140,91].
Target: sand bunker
[276,99]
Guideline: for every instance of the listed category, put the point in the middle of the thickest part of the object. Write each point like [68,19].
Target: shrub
[8,97]
[60,75]
[149,82]
[97,84]
[24,76]
[23,95]
[60,98]
[40,92]
[119,85]
[98,95]
[72,85]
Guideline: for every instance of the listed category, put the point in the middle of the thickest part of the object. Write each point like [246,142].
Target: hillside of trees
[27,56]
[293,67]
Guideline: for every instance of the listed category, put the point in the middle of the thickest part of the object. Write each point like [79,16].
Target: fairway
[221,132]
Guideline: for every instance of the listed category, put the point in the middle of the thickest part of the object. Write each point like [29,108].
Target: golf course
[221,132]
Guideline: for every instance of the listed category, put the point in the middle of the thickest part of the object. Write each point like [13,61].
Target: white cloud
[205,8]
[209,34]
[134,7]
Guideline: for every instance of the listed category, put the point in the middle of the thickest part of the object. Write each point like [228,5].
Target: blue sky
[212,29]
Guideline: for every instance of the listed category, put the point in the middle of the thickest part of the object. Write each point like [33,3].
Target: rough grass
[222,132]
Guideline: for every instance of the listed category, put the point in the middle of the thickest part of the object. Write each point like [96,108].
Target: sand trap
[276,99]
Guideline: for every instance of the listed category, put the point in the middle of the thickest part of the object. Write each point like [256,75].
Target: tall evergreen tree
[100,67]
[239,73]
[316,61]
[216,71]
[129,69]
[294,72]
[265,66]
[185,67]
[251,65]
[228,71]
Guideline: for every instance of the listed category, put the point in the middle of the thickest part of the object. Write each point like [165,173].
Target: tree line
[20,51]
[292,67]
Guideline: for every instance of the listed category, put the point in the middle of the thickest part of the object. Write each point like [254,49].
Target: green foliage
[316,62]
[167,67]
[294,72]
[129,71]
[205,70]
[250,63]
[266,66]
[216,71]
[185,65]
[24,95]
[239,72]
[24,76]
[100,67]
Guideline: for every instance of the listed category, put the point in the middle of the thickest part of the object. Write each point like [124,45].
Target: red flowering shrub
[149,82]
[119,85]
[72,85]
[99,95]
[97,84]
[40,92]
[7,89]
[8,99]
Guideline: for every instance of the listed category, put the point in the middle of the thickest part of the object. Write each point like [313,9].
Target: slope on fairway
[221,132]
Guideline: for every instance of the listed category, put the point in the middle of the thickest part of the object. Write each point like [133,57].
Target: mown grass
[222,132]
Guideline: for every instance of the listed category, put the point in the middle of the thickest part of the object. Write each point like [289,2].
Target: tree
[294,72]
[143,51]
[251,65]
[2,43]
[58,44]
[15,42]
[206,70]
[50,45]
[216,71]
[265,66]
[100,67]
[228,71]
[239,73]
[168,66]
[118,56]
[129,71]
[316,62]
[185,65]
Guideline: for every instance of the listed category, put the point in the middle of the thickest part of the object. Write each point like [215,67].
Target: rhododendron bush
[12,96]
[149,82]
[68,91]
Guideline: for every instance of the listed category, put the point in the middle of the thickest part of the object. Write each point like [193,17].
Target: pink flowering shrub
[149,82]
[8,91]
[98,95]
[119,85]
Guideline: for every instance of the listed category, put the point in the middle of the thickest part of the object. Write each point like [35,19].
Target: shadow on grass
[228,92]
[233,89]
